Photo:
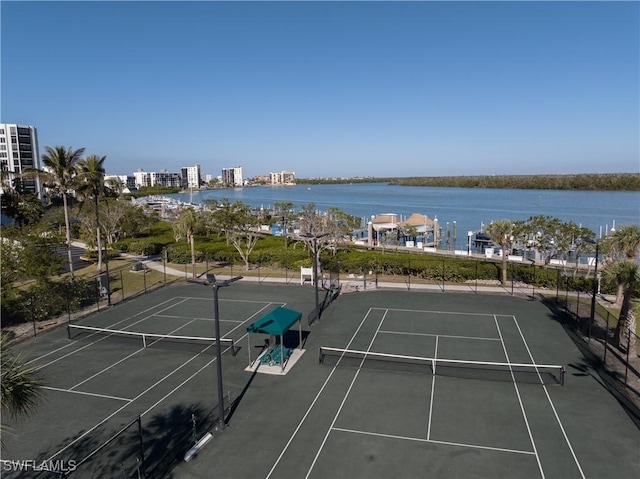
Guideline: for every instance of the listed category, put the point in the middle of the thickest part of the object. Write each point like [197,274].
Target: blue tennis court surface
[341,416]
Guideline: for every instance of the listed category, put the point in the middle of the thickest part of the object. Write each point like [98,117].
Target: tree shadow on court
[592,365]
[167,437]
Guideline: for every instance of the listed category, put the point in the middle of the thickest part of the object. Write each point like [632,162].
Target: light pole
[315,266]
[211,280]
[469,234]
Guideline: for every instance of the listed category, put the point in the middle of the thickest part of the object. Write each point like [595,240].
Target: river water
[470,208]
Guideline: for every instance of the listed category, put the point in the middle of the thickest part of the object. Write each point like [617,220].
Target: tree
[284,211]
[501,233]
[244,234]
[21,388]
[91,185]
[59,175]
[626,274]
[623,244]
[185,228]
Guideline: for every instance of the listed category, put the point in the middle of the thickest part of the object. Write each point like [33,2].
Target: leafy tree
[90,184]
[244,232]
[501,233]
[59,175]
[21,388]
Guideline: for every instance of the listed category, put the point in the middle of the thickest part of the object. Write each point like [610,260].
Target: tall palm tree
[622,245]
[59,174]
[21,387]
[186,227]
[91,184]
[626,274]
[500,233]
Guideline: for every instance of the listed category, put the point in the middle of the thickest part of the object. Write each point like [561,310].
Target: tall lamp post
[216,285]
[315,266]
[469,234]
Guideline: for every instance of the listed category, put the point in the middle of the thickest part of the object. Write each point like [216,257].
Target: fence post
[144,472]
[533,283]
[512,266]
[122,284]
[33,315]
[626,366]
[144,276]
[443,273]
[476,277]
[409,275]
[606,338]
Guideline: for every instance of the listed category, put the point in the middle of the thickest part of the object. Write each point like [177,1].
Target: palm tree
[59,174]
[622,245]
[91,184]
[186,226]
[626,274]
[500,233]
[21,387]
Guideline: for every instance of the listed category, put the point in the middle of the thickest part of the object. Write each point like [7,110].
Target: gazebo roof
[275,322]
[416,219]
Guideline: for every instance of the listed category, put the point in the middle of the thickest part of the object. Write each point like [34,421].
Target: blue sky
[330,88]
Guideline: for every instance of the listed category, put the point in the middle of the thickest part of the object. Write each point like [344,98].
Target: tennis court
[391,384]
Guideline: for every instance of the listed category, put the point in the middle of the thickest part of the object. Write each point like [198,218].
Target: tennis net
[148,340]
[490,371]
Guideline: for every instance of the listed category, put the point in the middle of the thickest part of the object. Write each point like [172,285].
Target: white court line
[441,335]
[344,400]
[431,441]
[524,414]
[121,408]
[198,319]
[125,358]
[96,341]
[461,313]
[546,391]
[315,399]
[433,390]
[84,393]
[71,344]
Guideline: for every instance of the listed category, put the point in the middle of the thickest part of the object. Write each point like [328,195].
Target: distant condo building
[19,153]
[232,176]
[283,178]
[161,178]
[191,177]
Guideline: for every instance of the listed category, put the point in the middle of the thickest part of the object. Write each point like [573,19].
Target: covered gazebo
[275,323]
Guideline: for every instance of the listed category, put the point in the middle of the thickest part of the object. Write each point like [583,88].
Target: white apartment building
[18,153]
[191,177]
[232,176]
[157,178]
[283,178]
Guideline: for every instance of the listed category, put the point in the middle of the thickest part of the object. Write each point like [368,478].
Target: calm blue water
[469,208]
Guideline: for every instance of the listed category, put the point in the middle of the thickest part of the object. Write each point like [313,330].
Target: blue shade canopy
[275,322]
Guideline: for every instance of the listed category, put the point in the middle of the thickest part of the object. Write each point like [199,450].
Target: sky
[330,89]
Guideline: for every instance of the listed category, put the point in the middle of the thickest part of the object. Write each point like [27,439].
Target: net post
[320,355]
[144,341]
[562,371]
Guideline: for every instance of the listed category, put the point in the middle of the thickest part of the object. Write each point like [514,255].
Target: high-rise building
[232,176]
[19,153]
[191,177]
[157,178]
[283,178]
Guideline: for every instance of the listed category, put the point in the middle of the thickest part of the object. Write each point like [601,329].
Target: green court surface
[336,418]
